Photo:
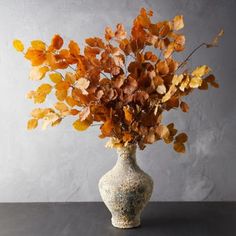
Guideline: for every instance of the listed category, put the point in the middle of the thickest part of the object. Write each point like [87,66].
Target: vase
[126,189]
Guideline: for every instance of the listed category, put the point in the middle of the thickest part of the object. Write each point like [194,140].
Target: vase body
[126,189]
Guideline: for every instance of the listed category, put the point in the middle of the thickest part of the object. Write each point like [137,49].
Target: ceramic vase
[126,189]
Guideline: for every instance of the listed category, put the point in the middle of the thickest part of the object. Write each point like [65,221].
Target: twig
[187,58]
[104,74]
[72,68]
[95,124]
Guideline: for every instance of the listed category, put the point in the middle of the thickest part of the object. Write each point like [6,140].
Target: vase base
[125,224]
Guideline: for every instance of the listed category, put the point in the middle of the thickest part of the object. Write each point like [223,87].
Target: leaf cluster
[123,83]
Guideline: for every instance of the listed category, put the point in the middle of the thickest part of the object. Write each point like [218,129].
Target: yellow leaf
[201,70]
[55,77]
[168,95]
[38,45]
[44,89]
[184,84]
[39,97]
[30,94]
[81,125]
[62,85]
[18,45]
[71,101]
[177,79]
[179,147]
[61,94]
[62,107]
[178,22]
[32,124]
[37,72]
[50,119]
[195,82]
[39,113]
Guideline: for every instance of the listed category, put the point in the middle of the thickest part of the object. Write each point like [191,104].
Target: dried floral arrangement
[122,83]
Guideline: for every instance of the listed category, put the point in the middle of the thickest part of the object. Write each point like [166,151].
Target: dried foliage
[122,83]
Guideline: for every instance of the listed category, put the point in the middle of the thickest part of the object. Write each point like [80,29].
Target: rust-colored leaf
[184,107]
[56,42]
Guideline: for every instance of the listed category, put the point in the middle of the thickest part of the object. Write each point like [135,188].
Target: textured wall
[62,165]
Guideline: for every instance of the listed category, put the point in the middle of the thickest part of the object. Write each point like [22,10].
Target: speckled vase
[126,189]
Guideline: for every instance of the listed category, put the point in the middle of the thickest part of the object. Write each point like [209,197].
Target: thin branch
[72,68]
[187,58]
[143,49]
[95,124]
[104,74]
[132,56]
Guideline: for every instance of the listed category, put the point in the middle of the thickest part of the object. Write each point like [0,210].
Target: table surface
[92,218]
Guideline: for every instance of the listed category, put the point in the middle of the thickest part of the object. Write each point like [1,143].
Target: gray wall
[62,165]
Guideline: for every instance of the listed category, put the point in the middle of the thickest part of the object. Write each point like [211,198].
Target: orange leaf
[71,102]
[63,85]
[74,48]
[55,77]
[128,115]
[107,127]
[38,45]
[61,94]
[127,137]
[37,57]
[57,42]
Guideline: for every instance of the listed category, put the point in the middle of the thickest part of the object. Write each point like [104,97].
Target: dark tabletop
[75,219]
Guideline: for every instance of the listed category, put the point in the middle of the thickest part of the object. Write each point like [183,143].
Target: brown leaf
[181,138]
[162,68]
[179,147]
[184,107]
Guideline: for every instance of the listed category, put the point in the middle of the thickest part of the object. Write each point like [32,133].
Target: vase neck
[127,155]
